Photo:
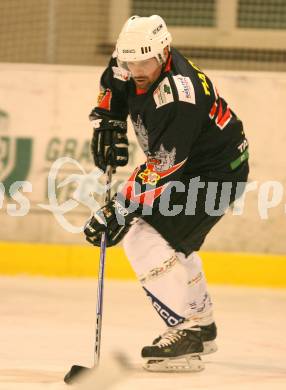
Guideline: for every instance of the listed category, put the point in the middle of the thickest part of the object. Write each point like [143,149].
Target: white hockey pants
[175,283]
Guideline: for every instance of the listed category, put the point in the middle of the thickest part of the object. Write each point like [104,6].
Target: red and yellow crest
[148,176]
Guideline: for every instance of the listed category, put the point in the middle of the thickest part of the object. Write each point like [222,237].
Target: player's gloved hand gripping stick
[75,371]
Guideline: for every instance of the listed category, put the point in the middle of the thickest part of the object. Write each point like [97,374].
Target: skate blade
[191,363]
[209,347]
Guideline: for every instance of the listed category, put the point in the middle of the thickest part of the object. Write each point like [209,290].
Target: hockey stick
[75,371]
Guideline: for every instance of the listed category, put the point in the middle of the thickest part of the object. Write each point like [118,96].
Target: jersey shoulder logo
[120,73]
[163,93]
[185,88]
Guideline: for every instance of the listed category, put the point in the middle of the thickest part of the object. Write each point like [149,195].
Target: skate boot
[177,350]
[208,335]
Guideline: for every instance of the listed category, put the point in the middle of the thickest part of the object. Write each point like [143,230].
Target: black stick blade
[74,374]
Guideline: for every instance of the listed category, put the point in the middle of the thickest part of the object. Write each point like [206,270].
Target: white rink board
[49,105]
[48,324]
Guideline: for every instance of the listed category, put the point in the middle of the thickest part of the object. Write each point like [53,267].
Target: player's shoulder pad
[184,88]
[163,94]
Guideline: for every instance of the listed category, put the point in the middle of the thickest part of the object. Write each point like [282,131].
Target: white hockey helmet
[142,38]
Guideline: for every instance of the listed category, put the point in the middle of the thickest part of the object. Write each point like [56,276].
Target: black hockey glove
[109,143]
[114,219]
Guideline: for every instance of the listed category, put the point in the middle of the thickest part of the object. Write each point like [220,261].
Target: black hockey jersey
[182,124]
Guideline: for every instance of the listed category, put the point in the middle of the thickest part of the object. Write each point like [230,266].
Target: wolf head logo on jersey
[163,159]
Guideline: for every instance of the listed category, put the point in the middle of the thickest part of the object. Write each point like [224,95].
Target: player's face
[144,73]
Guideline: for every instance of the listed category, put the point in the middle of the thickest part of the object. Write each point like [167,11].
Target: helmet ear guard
[142,38]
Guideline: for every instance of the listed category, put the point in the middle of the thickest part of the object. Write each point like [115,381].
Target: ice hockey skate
[179,350]
[176,350]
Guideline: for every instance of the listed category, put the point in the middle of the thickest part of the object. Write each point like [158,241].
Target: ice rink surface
[48,324]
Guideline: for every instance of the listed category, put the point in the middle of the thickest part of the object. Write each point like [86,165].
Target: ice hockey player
[194,143]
